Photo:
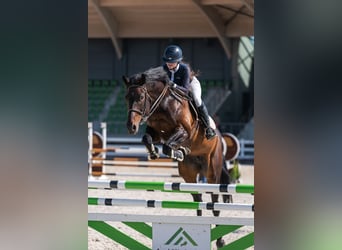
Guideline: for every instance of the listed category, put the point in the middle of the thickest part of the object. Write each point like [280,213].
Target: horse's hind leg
[225,179]
[217,174]
[214,198]
[189,174]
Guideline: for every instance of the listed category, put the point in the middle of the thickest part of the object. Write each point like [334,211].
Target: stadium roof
[117,19]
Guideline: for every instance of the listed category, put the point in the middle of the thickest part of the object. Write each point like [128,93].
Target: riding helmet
[172,54]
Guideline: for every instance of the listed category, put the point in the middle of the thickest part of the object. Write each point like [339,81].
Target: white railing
[246,150]
[246,146]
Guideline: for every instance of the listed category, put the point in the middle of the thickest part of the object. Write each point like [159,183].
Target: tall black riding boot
[204,116]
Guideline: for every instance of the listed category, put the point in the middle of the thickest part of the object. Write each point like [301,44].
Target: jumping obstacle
[172,186]
[169,204]
[97,150]
[134,163]
[172,232]
[99,165]
[96,141]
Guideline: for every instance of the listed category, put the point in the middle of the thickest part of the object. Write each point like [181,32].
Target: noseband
[154,106]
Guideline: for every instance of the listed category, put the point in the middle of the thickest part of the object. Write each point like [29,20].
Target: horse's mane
[156,74]
[151,75]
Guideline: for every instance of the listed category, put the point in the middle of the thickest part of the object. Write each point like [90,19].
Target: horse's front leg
[173,148]
[148,142]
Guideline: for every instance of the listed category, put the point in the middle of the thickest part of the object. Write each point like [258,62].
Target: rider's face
[171,66]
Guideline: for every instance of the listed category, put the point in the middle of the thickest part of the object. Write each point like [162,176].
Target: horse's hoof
[219,243]
[178,155]
[185,150]
[153,156]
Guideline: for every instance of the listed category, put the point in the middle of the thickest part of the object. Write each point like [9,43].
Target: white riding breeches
[196,90]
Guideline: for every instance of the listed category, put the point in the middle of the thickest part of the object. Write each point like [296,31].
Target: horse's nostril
[134,127]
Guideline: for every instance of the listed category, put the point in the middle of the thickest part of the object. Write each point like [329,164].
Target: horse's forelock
[137,79]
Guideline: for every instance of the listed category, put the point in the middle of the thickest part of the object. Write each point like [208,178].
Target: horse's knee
[147,139]
[152,150]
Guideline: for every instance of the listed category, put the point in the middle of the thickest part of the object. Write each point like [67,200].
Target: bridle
[154,106]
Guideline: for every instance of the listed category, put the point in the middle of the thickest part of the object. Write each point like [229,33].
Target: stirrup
[210,133]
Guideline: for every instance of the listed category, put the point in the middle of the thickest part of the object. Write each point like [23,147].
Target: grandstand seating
[98,92]
[118,114]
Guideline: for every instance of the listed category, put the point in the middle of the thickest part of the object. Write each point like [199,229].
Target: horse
[172,120]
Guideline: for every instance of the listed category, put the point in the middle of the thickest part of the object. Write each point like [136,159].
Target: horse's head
[145,92]
[137,101]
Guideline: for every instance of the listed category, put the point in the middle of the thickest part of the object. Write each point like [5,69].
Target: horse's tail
[225,178]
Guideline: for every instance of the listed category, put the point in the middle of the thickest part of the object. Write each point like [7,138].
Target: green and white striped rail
[172,186]
[170,204]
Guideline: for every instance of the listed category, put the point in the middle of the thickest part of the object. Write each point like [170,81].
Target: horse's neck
[155,90]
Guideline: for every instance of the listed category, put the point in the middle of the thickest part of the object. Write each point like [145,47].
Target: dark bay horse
[151,98]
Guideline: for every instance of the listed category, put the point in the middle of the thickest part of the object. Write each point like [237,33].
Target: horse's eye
[141,97]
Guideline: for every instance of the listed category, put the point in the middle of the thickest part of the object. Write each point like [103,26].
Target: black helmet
[172,54]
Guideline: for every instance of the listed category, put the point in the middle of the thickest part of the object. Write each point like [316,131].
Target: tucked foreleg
[177,138]
[173,146]
[148,142]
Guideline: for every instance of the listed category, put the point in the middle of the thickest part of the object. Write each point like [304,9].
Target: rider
[179,73]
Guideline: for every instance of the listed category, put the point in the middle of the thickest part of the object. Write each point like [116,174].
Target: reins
[154,105]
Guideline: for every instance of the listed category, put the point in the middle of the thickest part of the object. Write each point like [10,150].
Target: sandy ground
[97,241]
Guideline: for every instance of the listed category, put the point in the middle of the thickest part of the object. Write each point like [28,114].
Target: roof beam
[111,25]
[149,29]
[216,23]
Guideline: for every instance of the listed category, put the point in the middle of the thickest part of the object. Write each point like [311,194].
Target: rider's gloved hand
[176,86]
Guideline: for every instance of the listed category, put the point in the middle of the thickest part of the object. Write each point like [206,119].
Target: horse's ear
[126,80]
